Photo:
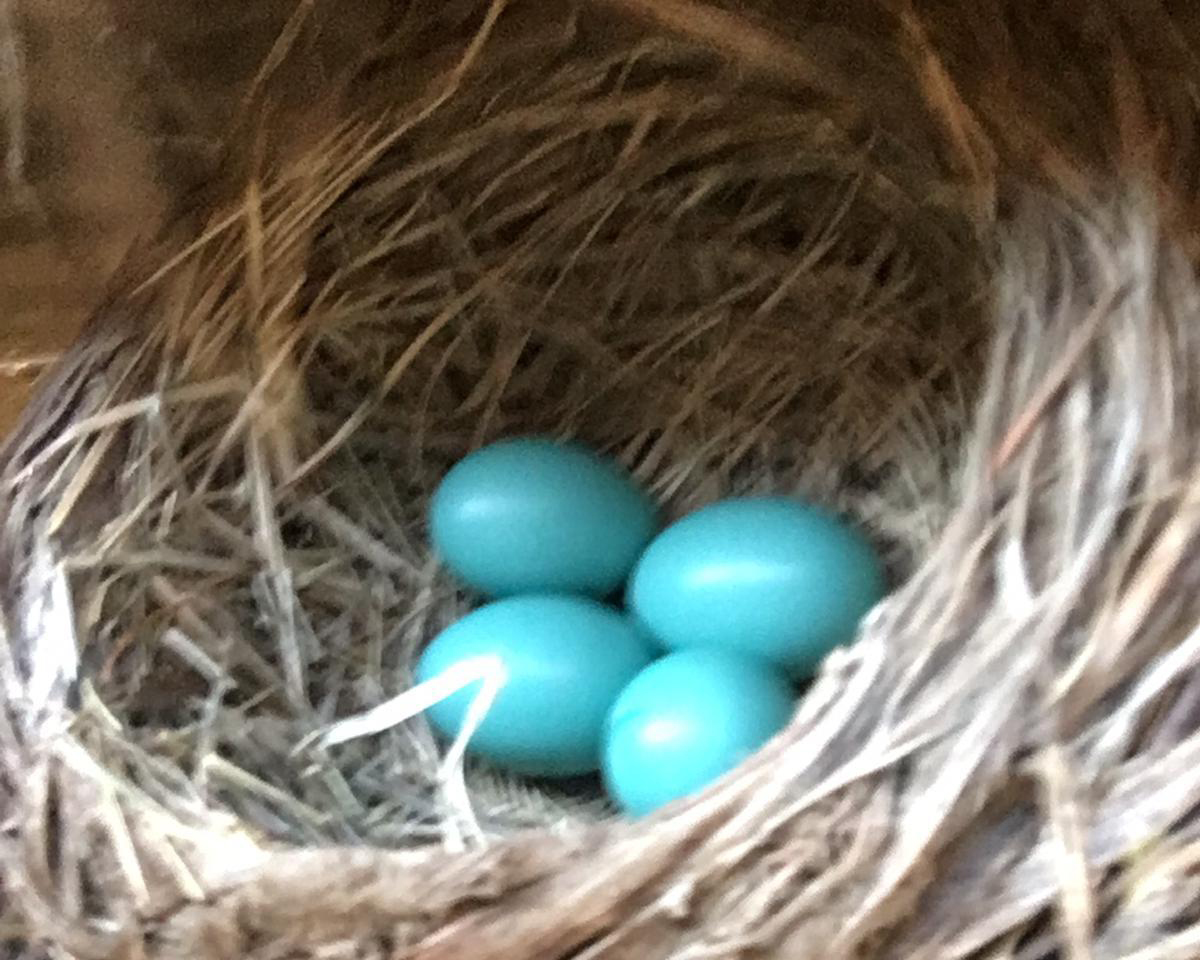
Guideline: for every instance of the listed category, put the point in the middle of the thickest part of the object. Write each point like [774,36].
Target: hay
[702,242]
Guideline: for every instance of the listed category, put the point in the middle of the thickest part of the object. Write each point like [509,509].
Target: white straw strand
[486,670]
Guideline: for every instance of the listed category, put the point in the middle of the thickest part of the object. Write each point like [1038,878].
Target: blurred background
[112,113]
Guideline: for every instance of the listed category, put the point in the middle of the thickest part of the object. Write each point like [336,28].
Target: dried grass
[680,233]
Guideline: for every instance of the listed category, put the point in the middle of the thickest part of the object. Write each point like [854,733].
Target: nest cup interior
[598,234]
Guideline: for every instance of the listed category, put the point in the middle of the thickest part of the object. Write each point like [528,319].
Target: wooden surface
[112,113]
[79,182]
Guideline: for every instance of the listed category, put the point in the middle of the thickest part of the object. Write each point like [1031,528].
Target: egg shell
[686,720]
[566,659]
[769,576]
[530,514]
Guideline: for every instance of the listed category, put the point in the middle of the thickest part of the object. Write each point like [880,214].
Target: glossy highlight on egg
[686,720]
[773,577]
[564,660]
[532,514]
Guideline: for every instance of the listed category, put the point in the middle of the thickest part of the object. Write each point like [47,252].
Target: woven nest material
[782,251]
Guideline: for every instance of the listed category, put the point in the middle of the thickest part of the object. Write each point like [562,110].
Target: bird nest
[739,255]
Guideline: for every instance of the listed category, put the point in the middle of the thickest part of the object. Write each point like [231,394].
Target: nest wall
[870,255]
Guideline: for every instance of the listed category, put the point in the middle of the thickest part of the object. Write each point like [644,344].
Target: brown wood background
[111,113]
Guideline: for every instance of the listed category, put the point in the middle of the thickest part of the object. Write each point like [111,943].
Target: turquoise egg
[566,659]
[769,576]
[530,514]
[687,719]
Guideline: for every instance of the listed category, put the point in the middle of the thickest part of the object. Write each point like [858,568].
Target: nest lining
[215,540]
[561,270]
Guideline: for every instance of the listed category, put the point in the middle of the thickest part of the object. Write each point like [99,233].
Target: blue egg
[530,515]
[566,659]
[687,719]
[769,576]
